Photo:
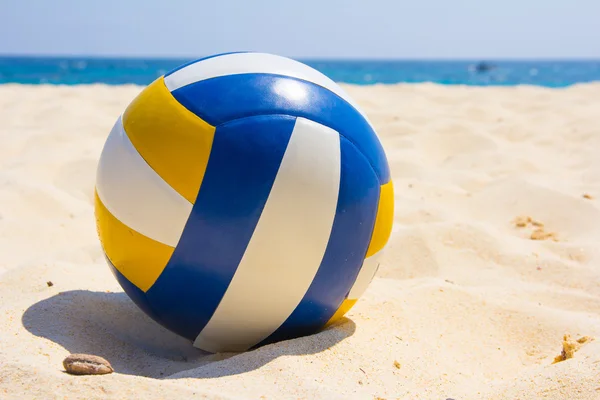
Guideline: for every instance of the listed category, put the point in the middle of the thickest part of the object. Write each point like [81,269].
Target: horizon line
[304,58]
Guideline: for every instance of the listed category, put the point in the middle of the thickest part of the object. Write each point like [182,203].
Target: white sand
[467,304]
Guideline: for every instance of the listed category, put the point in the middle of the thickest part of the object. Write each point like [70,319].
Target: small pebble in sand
[86,364]
[569,347]
[588,196]
[49,283]
[538,233]
[522,221]
[397,364]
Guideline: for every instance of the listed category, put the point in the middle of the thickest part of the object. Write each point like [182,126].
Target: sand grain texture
[469,302]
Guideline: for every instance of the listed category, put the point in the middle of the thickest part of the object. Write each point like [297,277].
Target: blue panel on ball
[222,99]
[134,293]
[243,163]
[346,250]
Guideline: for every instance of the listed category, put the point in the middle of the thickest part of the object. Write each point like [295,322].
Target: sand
[493,259]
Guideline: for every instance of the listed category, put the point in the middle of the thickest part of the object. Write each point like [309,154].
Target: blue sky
[304,28]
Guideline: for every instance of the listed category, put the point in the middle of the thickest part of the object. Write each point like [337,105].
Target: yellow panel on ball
[343,309]
[140,259]
[175,142]
[384,220]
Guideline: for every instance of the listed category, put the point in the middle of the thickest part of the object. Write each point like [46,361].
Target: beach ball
[243,199]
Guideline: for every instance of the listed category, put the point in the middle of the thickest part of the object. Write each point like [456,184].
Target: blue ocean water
[115,71]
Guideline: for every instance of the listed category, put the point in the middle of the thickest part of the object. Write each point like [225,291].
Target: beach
[489,287]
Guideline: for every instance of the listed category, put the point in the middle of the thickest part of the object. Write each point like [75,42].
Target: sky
[331,29]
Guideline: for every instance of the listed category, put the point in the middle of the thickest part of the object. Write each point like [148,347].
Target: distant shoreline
[141,71]
[416,85]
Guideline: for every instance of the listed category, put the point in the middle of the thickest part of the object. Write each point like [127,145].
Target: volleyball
[243,199]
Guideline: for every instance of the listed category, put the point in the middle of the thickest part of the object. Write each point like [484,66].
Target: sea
[142,71]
